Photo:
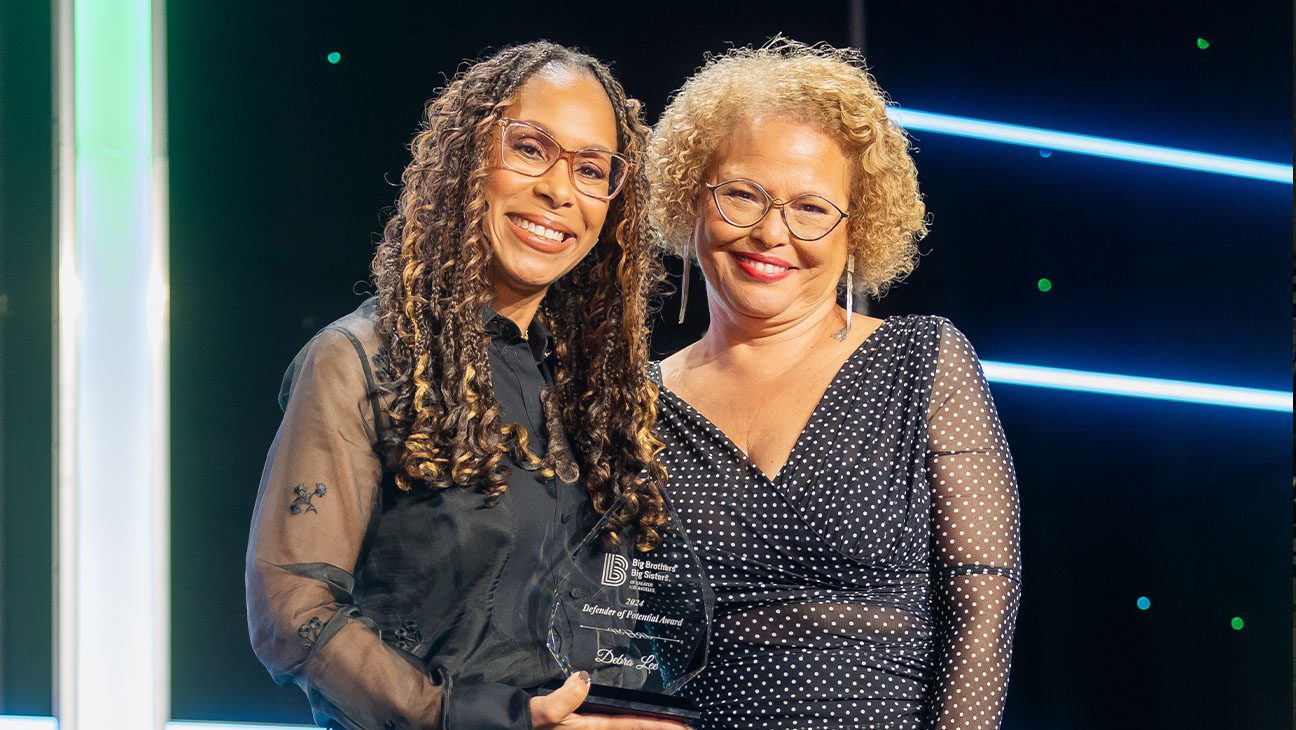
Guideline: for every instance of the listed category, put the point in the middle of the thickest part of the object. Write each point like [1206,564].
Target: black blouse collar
[504,330]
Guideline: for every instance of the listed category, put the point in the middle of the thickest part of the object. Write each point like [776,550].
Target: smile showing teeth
[537,229]
[768,268]
[765,268]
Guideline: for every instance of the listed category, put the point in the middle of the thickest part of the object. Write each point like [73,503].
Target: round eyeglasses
[528,149]
[745,203]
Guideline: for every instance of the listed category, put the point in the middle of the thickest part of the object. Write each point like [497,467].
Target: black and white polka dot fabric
[874,582]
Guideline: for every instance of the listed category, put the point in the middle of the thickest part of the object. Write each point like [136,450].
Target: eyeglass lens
[532,152]
[744,204]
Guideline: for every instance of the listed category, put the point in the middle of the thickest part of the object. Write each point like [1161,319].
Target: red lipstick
[763,268]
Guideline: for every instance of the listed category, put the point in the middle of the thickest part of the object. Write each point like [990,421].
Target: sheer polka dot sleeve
[975,540]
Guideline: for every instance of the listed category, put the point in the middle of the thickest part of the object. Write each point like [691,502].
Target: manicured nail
[584,676]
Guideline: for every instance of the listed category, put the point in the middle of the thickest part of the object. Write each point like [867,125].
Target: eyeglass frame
[505,122]
[771,203]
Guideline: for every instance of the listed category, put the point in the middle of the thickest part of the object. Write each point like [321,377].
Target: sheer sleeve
[976,552]
[319,491]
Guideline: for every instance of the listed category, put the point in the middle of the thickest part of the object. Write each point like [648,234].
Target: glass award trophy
[638,622]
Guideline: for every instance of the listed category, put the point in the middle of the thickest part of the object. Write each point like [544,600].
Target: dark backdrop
[26,349]
[280,164]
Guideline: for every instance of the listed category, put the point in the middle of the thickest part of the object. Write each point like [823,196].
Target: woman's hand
[557,711]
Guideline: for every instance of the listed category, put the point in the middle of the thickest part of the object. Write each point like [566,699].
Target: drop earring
[684,282]
[841,334]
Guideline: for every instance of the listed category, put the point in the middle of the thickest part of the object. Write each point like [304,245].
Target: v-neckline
[742,456]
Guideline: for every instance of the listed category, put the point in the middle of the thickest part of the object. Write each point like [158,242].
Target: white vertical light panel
[112,495]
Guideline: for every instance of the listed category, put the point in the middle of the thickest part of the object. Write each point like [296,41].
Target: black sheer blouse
[873,583]
[395,609]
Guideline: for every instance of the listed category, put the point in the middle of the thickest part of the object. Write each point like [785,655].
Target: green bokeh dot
[1237,623]
[334,57]
[1044,285]
[1203,44]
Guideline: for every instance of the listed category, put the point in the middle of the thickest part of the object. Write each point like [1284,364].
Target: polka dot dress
[874,582]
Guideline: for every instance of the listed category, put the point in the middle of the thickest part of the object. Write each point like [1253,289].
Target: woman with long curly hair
[843,478]
[449,439]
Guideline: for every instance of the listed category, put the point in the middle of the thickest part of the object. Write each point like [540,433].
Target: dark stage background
[280,162]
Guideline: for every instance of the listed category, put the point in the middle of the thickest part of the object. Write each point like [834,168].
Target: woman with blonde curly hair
[843,478]
[444,442]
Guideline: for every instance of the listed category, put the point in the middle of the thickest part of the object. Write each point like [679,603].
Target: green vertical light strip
[113,544]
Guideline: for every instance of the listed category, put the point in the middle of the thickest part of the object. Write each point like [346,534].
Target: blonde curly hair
[826,87]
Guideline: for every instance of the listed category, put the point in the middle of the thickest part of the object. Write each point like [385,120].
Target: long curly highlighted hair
[819,85]
[432,274]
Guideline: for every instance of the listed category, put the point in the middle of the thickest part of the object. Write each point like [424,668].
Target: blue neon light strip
[1049,139]
[1138,387]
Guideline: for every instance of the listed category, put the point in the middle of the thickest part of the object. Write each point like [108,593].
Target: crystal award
[638,622]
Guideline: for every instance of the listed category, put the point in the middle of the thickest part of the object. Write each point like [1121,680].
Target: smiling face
[541,227]
[763,272]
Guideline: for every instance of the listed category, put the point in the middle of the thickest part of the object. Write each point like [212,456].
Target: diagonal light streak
[1084,144]
[1137,386]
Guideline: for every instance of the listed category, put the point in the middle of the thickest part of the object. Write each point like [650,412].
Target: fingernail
[584,676]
